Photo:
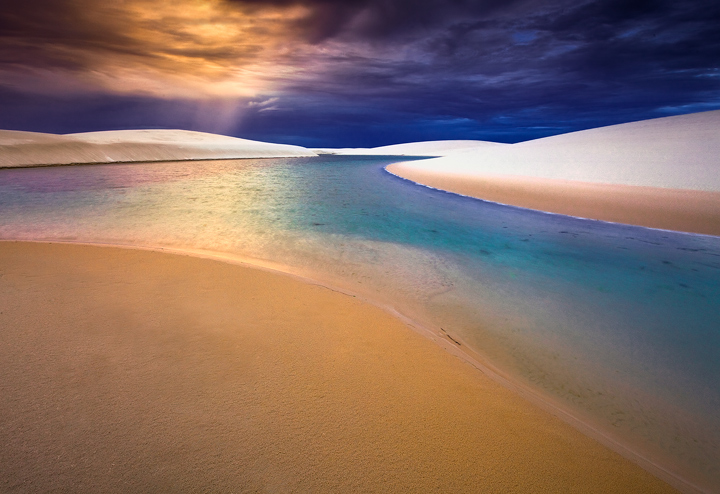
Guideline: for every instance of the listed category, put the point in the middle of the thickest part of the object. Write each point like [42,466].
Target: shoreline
[447,342]
[678,210]
[97,163]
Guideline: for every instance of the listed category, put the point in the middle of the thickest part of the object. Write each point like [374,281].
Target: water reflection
[620,324]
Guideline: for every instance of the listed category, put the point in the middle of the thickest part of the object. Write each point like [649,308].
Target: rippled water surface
[618,324]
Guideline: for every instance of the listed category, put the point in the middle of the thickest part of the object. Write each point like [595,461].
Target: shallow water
[618,324]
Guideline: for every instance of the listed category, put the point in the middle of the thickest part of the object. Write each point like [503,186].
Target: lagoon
[617,325]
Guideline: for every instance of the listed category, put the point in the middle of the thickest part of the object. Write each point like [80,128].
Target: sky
[355,73]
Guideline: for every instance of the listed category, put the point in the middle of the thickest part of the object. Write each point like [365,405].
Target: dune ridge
[21,149]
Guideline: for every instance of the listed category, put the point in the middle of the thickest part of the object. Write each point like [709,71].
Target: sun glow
[187,48]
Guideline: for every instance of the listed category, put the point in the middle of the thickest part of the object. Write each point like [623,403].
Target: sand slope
[592,172]
[34,149]
[132,371]
[681,152]
[426,148]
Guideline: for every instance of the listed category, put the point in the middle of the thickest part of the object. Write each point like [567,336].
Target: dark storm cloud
[364,72]
[38,32]
[543,68]
[381,18]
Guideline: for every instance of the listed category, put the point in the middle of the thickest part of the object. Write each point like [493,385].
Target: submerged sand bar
[127,370]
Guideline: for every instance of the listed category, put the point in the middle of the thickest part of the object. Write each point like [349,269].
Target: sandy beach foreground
[127,370]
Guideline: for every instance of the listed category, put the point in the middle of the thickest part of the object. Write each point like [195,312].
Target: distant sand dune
[426,148]
[19,149]
[662,173]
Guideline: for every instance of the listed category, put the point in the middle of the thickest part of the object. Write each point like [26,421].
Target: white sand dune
[681,152]
[662,173]
[16,137]
[19,149]
[426,148]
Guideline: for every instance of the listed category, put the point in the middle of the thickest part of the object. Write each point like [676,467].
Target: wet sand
[127,370]
[683,210]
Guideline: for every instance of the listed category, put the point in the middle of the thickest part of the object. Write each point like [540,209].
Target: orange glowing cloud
[179,48]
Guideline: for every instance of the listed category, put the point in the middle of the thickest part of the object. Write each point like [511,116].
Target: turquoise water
[619,325]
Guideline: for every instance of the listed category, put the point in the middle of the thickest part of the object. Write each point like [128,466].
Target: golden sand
[669,209]
[135,371]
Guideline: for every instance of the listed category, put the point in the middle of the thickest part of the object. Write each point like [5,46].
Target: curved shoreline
[683,211]
[450,343]
[140,162]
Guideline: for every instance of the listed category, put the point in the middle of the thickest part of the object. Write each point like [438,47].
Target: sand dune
[133,371]
[672,164]
[426,148]
[19,149]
